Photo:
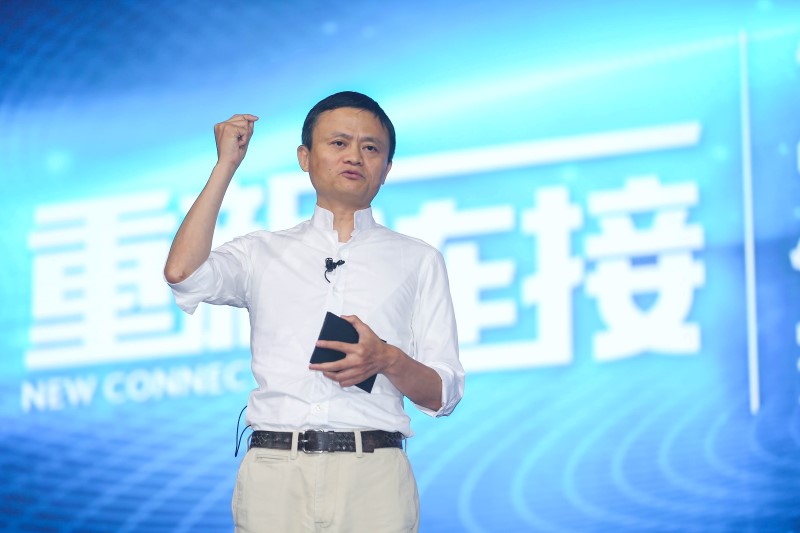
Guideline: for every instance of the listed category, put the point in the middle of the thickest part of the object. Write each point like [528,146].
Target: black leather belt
[316,441]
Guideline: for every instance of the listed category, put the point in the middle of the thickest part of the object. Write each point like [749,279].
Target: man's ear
[386,172]
[302,157]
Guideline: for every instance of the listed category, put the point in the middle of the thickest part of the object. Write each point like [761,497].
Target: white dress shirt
[395,284]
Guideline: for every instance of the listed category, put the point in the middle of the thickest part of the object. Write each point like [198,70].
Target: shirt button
[318,408]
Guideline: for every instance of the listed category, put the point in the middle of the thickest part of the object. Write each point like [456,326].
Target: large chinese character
[98,293]
[440,221]
[550,289]
[645,275]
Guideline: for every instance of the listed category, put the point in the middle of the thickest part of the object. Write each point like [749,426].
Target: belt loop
[359,444]
[293,451]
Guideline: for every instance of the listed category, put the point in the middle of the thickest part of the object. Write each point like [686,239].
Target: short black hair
[347,99]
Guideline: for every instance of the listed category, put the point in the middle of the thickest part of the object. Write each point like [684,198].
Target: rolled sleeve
[452,389]
[435,334]
[191,291]
[223,279]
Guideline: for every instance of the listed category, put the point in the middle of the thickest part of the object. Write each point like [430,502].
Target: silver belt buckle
[302,441]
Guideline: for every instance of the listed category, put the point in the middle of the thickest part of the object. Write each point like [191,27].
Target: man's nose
[354,155]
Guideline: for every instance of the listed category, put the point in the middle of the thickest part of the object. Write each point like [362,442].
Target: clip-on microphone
[330,266]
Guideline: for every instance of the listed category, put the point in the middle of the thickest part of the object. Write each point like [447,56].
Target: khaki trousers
[287,491]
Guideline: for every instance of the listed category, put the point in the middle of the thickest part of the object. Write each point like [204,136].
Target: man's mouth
[352,174]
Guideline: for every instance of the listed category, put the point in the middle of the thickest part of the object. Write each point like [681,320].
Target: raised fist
[233,137]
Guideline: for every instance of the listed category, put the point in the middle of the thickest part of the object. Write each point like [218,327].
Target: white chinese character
[550,289]
[440,221]
[98,289]
[637,260]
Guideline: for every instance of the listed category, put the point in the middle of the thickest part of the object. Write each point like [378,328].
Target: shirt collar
[323,219]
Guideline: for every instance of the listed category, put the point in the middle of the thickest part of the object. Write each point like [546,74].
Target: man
[391,288]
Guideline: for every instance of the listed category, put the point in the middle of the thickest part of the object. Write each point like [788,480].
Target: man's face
[347,161]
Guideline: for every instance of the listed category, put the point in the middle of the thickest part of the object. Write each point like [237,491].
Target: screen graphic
[616,193]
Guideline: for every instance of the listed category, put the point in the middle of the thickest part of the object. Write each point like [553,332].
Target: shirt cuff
[452,390]
[191,291]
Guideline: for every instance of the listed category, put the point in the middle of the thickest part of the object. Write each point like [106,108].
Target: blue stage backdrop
[615,187]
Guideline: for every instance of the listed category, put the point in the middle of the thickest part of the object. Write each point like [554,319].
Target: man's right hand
[192,243]
[233,137]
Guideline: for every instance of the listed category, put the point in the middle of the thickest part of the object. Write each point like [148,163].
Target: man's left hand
[368,357]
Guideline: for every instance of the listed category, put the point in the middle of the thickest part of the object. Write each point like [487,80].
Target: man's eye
[338,143]
[371,148]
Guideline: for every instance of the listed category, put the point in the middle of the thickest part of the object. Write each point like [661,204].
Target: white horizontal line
[80,356]
[509,356]
[545,152]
